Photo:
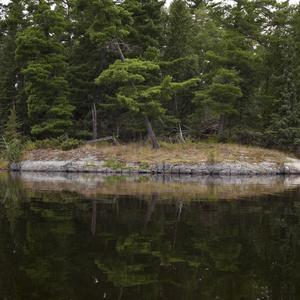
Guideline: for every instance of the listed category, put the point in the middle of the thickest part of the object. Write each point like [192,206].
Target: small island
[139,158]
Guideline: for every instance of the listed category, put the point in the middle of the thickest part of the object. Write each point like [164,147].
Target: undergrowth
[114,164]
[61,142]
[13,151]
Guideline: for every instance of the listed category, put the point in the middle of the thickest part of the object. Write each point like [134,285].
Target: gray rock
[132,166]
[199,169]
[160,168]
[185,169]
[224,168]
[168,167]
[175,170]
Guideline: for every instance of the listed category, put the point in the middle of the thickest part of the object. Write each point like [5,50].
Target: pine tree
[180,60]
[136,86]
[145,31]
[179,31]
[41,53]
[13,126]
[285,124]
[243,23]
[223,95]
[11,79]
[82,69]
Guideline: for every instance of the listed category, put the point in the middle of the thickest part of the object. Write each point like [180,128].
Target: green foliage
[70,143]
[108,21]
[180,31]
[285,123]
[14,151]
[145,29]
[55,143]
[143,166]
[44,144]
[181,69]
[223,93]
[114,164]
[12,126]
[41,54]
[212,157]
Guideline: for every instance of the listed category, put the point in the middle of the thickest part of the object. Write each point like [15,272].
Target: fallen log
[108,138]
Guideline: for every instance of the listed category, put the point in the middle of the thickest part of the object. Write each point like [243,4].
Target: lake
[83,236]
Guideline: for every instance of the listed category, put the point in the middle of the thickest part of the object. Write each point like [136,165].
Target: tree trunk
[150,131]
[94,217]
[116,44]
[150,209]
[94,117]
[180,133]
[221,125]
[145,117]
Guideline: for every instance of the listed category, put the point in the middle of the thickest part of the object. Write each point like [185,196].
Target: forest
[138,70]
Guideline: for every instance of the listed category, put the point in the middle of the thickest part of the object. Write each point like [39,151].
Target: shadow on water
[74,236]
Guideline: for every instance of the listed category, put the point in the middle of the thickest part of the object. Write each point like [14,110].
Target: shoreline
[201,168]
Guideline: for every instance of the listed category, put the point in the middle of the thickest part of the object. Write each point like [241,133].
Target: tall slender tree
[11,78]
[285,124]
[41,53]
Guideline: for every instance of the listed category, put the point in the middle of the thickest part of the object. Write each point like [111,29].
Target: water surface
[71,236]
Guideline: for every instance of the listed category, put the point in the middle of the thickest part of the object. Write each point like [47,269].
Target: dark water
[59,243]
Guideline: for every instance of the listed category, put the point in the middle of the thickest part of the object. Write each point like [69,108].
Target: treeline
[135,69]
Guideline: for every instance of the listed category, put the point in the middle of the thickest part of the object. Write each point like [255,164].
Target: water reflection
[63,239]
[170,186]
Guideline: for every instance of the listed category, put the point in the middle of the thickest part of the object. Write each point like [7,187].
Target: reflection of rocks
[167,186]
[223,168]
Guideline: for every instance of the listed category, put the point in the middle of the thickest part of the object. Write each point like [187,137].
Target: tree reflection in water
[62,245]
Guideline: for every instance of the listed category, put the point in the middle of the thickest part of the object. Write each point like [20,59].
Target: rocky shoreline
[90,165]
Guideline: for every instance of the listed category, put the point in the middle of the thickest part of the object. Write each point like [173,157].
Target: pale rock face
[224,168]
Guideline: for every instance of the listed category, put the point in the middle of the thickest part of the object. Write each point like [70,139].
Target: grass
[189,153]
[3,163]
[143,154]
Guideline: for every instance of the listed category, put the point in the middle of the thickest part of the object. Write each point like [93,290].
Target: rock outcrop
[90,165]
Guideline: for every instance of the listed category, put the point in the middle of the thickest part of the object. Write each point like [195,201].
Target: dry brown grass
[187,153]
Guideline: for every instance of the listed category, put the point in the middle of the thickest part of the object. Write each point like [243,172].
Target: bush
[70,144]
[114,164]
[13,152]
[56,143]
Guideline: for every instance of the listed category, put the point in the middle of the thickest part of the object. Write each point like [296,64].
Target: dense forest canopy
[136,69]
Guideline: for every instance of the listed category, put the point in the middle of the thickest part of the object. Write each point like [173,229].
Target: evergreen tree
[85,60]
[209,45]
[11,78]
[150,61]
[223,95]
[243,22]
[41,53]
[285,124]
[143,42]
[180,59]
[136,86]
[13,126]
[179,31]
[144,37]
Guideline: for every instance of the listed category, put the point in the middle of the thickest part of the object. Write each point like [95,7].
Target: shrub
[114,164]
[143,166]
[70,144]
[56,143]
[13,152]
